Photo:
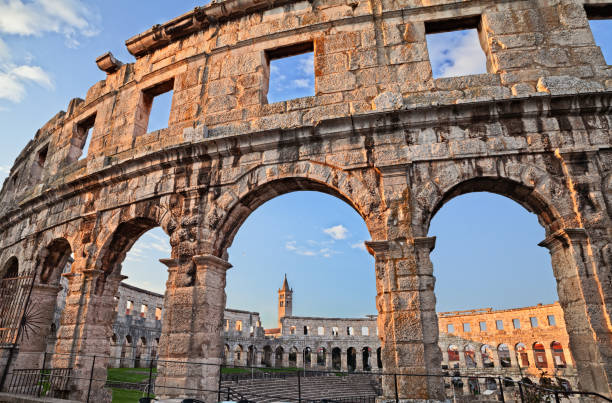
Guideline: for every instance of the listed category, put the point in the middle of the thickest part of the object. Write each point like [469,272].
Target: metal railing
[254,384]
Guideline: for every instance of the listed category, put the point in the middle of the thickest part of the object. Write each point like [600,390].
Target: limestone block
[557,85]
[387,101]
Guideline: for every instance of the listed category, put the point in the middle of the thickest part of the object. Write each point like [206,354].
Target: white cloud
[13,81]
[291,245]
[35,74]
[301,83]
[306,66]
[456,53]
[337,232]
[359,245]
[66,17]
[10,88]
[312,250]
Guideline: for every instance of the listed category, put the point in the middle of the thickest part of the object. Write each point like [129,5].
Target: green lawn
[230,370]
[126,396]
[134,375]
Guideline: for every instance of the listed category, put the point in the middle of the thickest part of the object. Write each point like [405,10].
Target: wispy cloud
[456,53]
[301,83]
[70,18]
[337,232]
[359,245]
[313,249]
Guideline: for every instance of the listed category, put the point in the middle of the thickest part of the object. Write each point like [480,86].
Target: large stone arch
[546,195]
[253,189]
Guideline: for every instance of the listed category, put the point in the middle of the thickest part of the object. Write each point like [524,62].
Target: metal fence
[258,384]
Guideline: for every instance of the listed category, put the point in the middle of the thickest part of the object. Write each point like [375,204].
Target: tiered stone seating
[313,388]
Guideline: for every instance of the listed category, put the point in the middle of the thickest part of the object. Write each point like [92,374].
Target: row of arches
[501,356]
[335,358]
[133,352]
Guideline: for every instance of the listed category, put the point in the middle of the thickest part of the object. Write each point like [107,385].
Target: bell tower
[285,301]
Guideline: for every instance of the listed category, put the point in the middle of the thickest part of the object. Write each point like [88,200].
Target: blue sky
[487,253]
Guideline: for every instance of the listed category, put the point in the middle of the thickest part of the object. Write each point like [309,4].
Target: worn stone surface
[226,151]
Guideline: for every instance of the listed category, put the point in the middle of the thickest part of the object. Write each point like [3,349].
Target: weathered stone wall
[380,133]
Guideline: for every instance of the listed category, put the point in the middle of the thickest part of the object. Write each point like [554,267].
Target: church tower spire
[285,301]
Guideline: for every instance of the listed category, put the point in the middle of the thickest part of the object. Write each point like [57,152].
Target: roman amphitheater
[380,133]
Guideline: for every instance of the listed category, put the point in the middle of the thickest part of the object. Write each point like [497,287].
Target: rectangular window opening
[450,328]
[128,308]
[483,326]
[321,331]
[143,311]
[534,322]
[499,325]
[466,328]
[334,331]
[600,20]
[158,313]
[292,330]
[291,72]
[239,325]
[42,156]
[551,320]
[455,48]
[84,131]
[516,323]
[365,331]
[156,107]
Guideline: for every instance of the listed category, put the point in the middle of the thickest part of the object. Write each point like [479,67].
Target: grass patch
[126,396]
[131,375]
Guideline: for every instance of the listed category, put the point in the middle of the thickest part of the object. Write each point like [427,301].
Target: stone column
[445,357]
[359,360]
[531,357]
[191,331]
[581,297]
[299,359]
[343,361]
[550,362]
[273,359]
[285,360]
[313,360]
[33,347]
[407,320]
[462,365]
[513,362]
[258,359]
[478,357]
[84,332]
[495,357]
[328,360]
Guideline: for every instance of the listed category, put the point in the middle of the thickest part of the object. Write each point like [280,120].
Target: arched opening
[503,352]
[558,355]
[280,352]
[521,351]
[267,357]
[239,356]
[351,359]
[307,357]
[336,358]
[470,356]
[539,354]
[293,357]
[10,293]
[453,356]
[126,352]
[321,357]
[57,258]
[252,356]
[379,363]
[487,356]
[366,352]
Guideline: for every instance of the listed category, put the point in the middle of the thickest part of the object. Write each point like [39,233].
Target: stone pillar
[258,359]
[313,360]
[513,361]
[550,362]
[299,359]
[85,330]
[581,297]
[462,365]
[343,361]
[192,325]
[359,360]
[531,357]
[273,359]
[285,360]
[478,357]
[495,357]
[33,347]
[407,319]
[328,360]
[445,357]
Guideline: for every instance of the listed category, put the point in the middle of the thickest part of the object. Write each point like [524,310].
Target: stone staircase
[332,387]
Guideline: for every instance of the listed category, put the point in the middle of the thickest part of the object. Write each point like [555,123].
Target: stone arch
[539,355]
[531,197]
[259,186]
[53,260]
[278,356]
[558,355]
[503,353]
[523,357]
[469,352]
[10,269]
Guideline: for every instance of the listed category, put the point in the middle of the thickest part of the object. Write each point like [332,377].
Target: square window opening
[466,328]
[516,323]
[455,47]
[84,131]
[534,322]
[483,326]
[600,20]
[499,325]
[156,107]
[290,72]
[551,320]
[450,328]
[365,331]
[158,313]
[321,331]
